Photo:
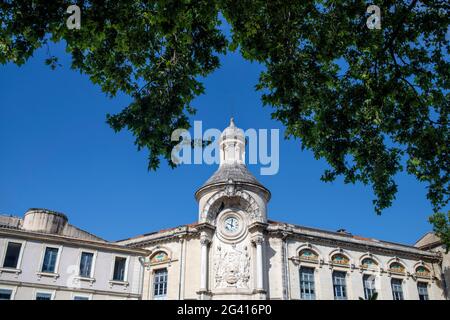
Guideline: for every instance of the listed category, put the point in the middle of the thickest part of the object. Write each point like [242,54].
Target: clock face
[231,224]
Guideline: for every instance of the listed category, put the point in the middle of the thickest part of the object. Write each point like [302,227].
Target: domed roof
[232,161]
[236,172]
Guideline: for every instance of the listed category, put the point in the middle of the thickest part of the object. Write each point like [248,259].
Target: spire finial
[232,122]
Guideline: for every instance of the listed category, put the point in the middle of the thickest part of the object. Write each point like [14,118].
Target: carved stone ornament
[231,267]
[231,196]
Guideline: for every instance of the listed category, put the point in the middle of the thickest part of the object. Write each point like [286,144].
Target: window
[160,283]
[307,291]
[50,257]
[86,264]
[43,296]
[422,287]
[5,294]
[12,255]
[340,290]
[80,298]
[397,290]
[369,286]
[119,269]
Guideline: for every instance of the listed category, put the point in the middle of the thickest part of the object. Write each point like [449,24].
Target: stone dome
[232,166]
[235,172]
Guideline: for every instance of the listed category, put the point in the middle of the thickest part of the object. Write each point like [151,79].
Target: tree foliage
[441,227]
[370,102]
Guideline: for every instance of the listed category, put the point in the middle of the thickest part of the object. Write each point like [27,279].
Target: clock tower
[232,220]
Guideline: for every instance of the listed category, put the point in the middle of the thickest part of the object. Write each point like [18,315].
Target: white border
[51,292]
[22,249]
[94,259]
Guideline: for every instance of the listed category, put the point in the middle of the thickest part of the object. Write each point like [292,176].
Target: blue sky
[57,152]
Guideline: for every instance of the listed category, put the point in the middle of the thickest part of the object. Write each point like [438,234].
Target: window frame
[344,286]
[43,291]
[81,295]
[19,260]
[366,289]
[401,287]
[160,297]
[12,289]
[113,264]
[313,271]
[426,284]
[94,259]
[58,258]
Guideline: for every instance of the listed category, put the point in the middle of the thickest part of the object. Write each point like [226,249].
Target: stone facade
[29,271]
[233,251]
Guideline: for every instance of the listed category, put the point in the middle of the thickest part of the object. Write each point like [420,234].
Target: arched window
[159,257]
[396,267]
[422,271]
[308,254]
[340,259]
[369,263]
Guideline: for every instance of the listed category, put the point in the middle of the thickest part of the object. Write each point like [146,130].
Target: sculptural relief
[231,266]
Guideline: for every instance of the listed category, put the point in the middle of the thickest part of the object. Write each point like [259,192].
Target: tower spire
[232,145]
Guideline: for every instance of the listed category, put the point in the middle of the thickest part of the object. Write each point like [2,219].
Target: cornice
[164,238]
[69,241]
[353,244]
[244,185]
[79,290]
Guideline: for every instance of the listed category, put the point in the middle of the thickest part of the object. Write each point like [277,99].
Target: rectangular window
[50,257]
[5,294]
[369,286]
[86,264]
[307,291]
[80,298]
[160,283]
[422,287]
[43,296]
[340,290]
[397,290]
[119,269]
[12,255]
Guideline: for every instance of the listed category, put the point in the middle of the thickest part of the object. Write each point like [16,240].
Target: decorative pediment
[422,271]
[159,257]
[231,196]
[397,267]
[340,259]
[308,255]
[369,263]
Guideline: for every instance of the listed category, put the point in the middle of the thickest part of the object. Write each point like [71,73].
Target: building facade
[232,251]
[43,257]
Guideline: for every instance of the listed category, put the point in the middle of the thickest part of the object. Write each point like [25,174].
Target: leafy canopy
[370,102]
